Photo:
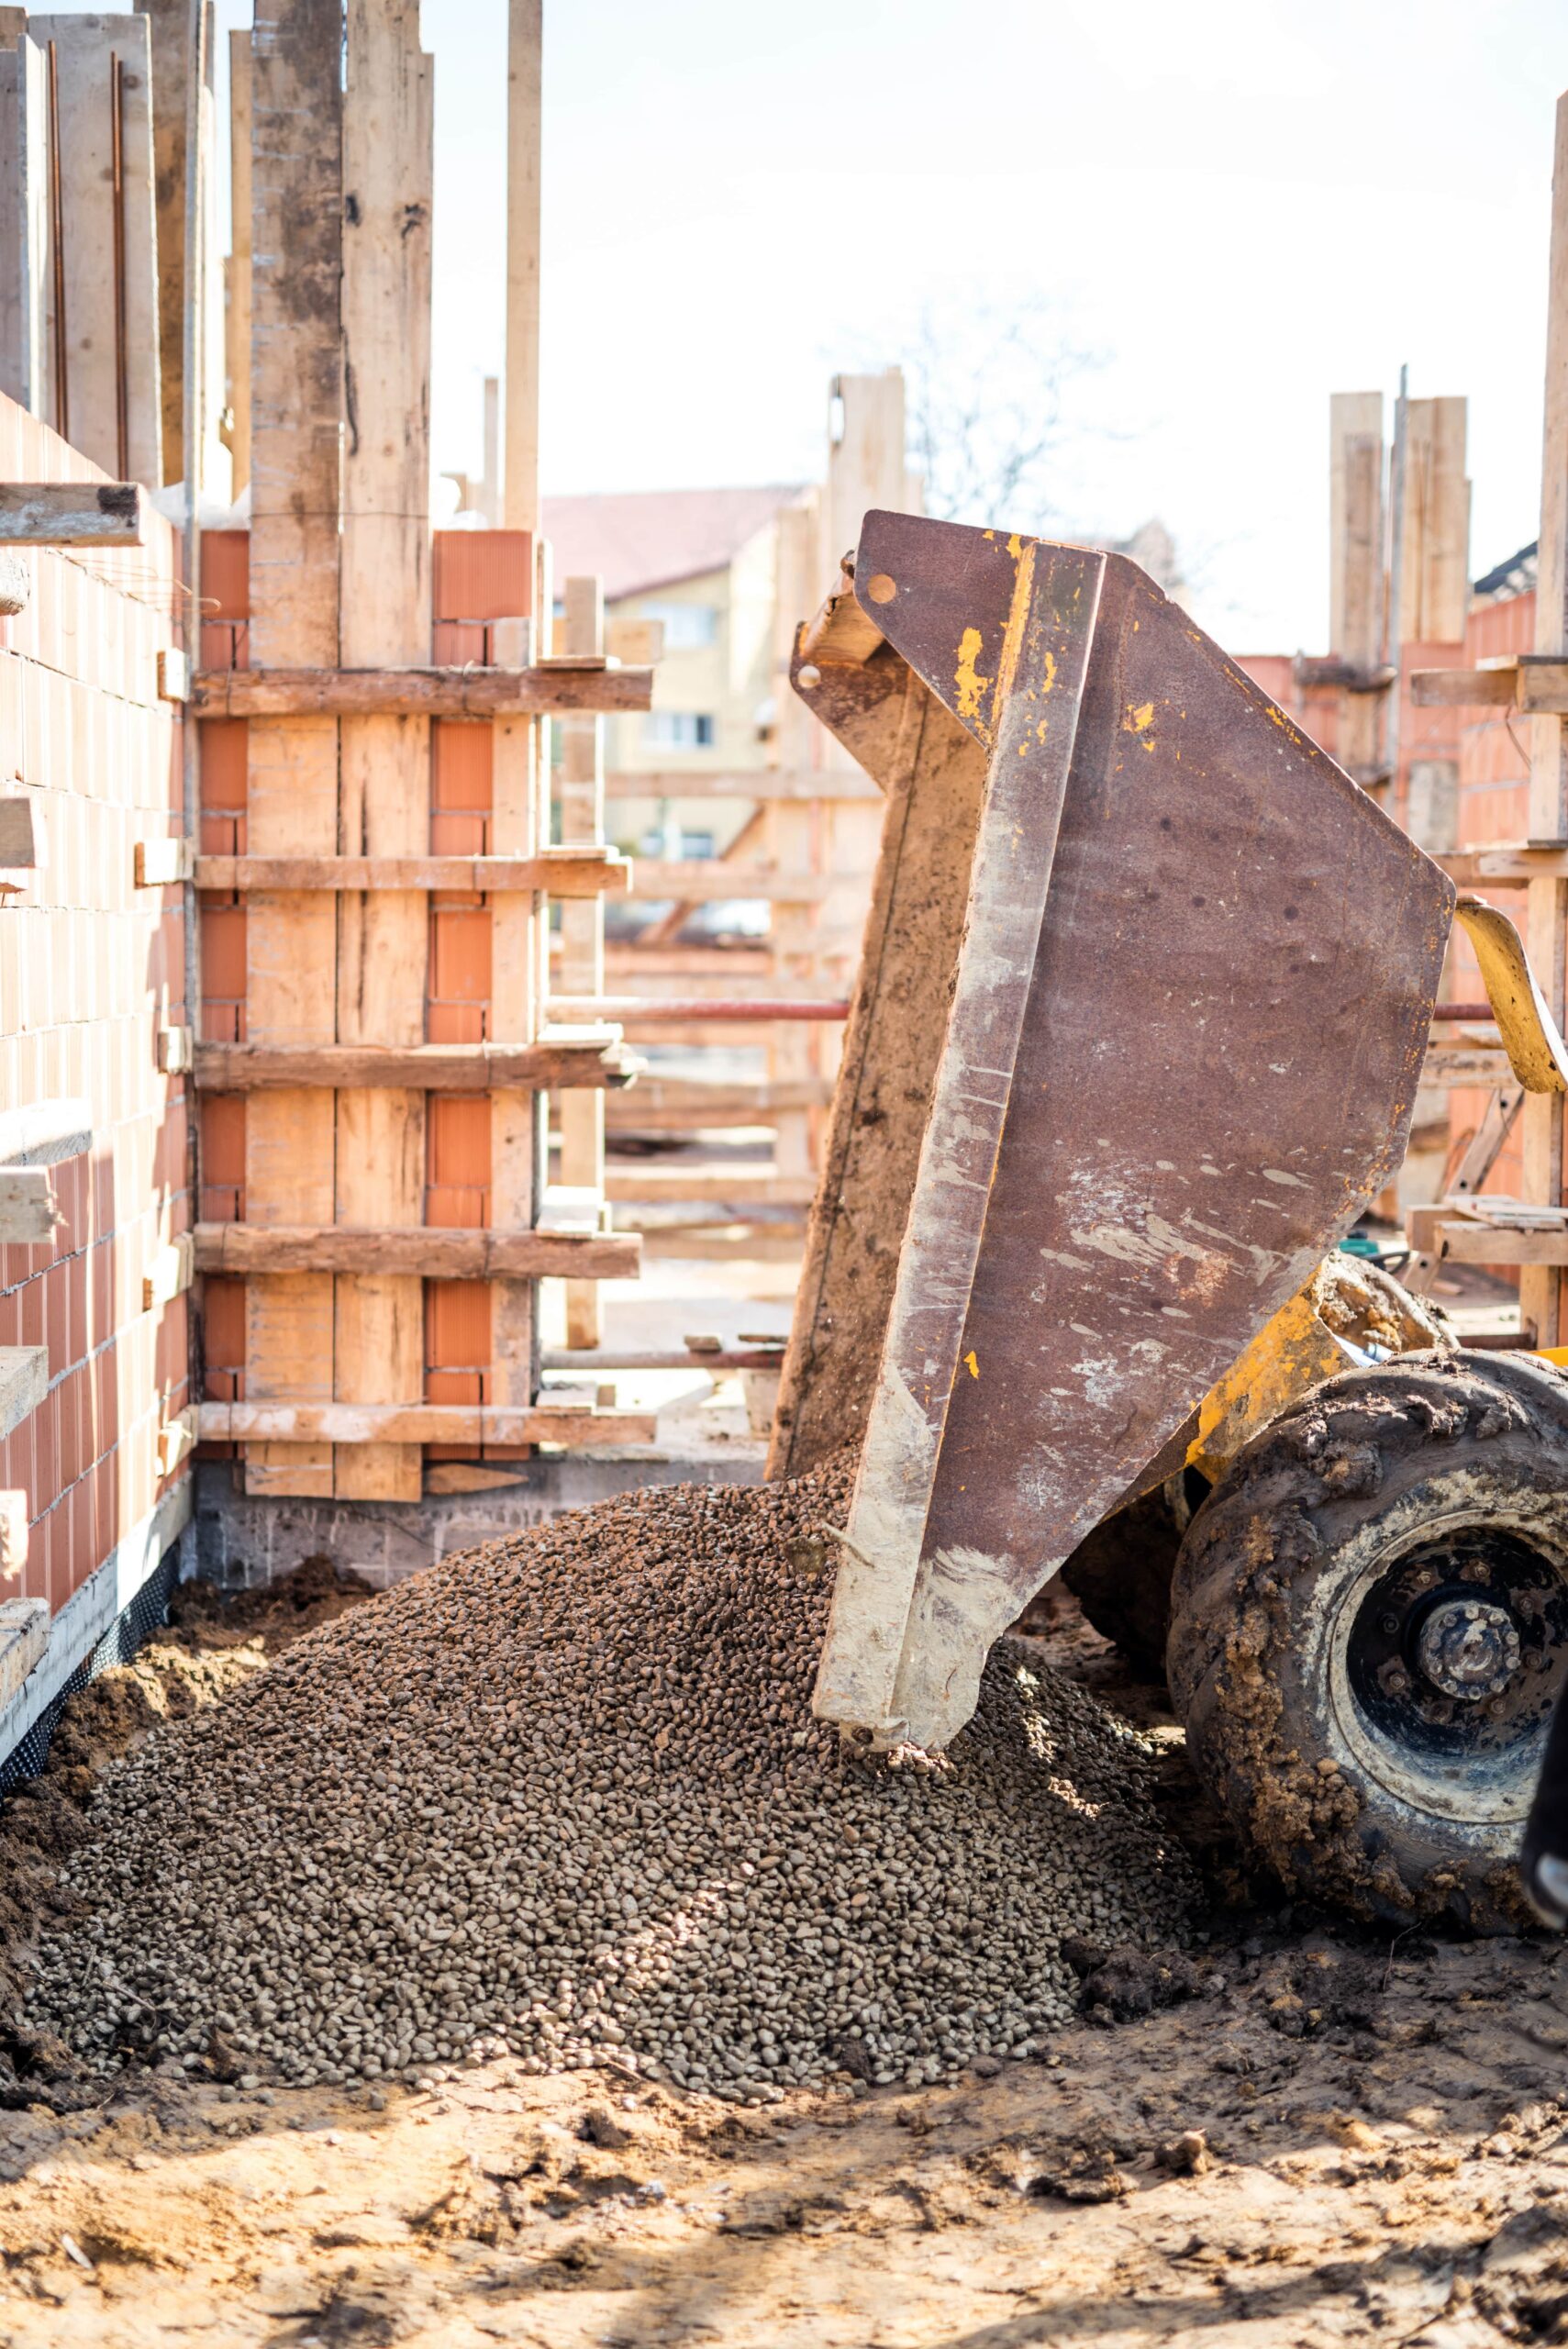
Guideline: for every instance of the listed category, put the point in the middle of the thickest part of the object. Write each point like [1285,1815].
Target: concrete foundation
[241,1543]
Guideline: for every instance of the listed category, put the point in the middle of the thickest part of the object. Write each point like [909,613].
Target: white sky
[1244,204]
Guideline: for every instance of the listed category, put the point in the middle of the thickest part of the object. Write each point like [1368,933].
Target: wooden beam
[296,413]
[561,872]
[761,783]
[111,407]
[24,1382]
[663,1011]
[416,692]
[709,881]
[745,1187]
[72,514]
[668,1105]
[523,120]
[1455,1064]
[1460,1239]
[384,614]
[427,1253]
[294,1423]
[172,67]
[237,269]
[1494,688]
[580,799]
[1510,865]
[436,1068]
[26,237]
[1435,588]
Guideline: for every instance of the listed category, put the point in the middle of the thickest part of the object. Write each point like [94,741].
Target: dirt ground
[1290,2133]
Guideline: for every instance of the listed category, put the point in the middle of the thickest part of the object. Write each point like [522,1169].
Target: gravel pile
[564,1796]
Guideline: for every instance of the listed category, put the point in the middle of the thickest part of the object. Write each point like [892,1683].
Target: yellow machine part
[1347,1307]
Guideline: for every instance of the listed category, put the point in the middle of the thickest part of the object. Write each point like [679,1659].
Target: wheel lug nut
[1388,1625]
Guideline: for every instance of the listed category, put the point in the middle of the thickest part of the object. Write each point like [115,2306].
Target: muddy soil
[1292,2132]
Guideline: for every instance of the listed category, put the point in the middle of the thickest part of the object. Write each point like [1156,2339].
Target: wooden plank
[172,66]
[236,315]
[384,614]
[710,880]
[27,244]
[564,872]
[524,124]
[112,394]
[296,408]
[580,795]
[416,692]
[428,1253]
[761,783]
[27,1212]
[1356,558]
[437,1068]
[1492,687]
[1542,1289]
[1510,865]
[72,514]
[1435,523]
[24,1382]
[421,1423]
[669,1104]
[796,831]
[743,1186]
[1543,684]
[1458,1240]
[1453,1064]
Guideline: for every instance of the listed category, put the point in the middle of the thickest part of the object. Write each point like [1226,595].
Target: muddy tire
[1121,1573]
[1370,1627]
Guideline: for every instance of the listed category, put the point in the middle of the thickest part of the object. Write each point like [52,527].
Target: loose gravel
[564,1796]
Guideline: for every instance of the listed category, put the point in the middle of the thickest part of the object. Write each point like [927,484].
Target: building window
[678,729]
[687,626]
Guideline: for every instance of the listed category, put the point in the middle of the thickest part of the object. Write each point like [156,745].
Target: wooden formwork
[371,867]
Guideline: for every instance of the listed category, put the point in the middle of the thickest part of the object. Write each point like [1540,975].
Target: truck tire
[1120,1574]
[1370,1627]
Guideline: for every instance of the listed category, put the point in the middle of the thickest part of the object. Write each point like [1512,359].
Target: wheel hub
[1469,1648]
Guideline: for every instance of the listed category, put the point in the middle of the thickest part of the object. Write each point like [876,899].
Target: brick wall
[91,968]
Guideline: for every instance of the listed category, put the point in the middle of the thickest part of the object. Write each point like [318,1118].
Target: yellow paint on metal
[1289,1354]
[1531,1035]
[970,684]
[972,1364]
[1138,721]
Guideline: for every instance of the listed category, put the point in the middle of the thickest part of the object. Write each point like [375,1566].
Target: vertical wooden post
[85,47]
[1355,576]
[385,762]
[582,801]
[27,242]
[237,309]
[793,830]
[296,406]
[175,42]
[518,939]
[1541,1286]
[524,118]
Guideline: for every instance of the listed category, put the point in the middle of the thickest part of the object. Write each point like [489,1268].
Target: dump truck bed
[1186,1025]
